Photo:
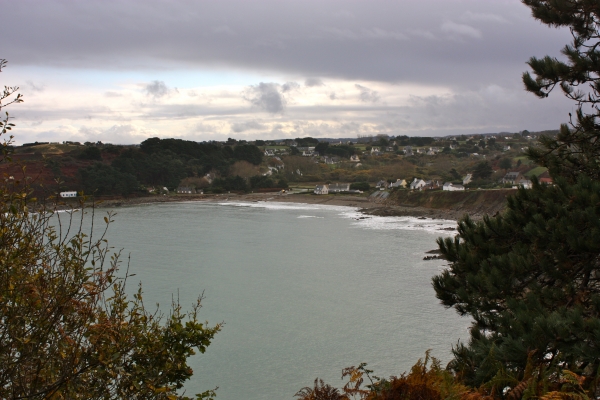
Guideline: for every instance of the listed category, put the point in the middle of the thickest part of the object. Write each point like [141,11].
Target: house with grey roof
[512,177]
[321,189]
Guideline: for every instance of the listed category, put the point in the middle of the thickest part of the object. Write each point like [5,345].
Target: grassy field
[537,171]
[48,148]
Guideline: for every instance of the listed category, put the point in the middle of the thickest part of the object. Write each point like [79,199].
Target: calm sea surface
[304,290]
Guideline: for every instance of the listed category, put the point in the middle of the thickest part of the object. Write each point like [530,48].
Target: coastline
[364,204]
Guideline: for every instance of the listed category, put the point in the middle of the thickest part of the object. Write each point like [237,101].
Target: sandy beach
[365,204]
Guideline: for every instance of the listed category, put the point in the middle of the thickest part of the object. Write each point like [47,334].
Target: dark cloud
[266,97]
[312,82]
[457,43]
[367,95]
[157,89]
[289,86]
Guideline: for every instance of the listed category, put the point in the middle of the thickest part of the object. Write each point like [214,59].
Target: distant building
[321,189]
[449,186]
[338,187]
[417,184]
[398,183]
[512,178]
[68,194]
[354,158]
[526,183]
[545,178]
[381,184]
[186,190]
[467,179]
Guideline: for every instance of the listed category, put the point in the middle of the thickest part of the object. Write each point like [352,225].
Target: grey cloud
[112,94]
[309,38]
[312,82]
[332,96]
[484,17]
[289,86]
[157,89]
[29,85]
[377,33]
[247,126]
[367,95]
[266,97]
[460,29]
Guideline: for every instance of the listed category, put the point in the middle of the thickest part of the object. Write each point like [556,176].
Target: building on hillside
[398,183]
[431,184]
[69,194]
[512,178]
[354,158]
[449,186]
[544,178]
[382,184]
[269,153]
[408,151]
[339,187]
[526,183]
[417,184]
[468,178]
[321,189]
[186,190]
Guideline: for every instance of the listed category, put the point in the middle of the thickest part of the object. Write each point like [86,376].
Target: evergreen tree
[576,149]
[530,279]
[483,170]
[530,276]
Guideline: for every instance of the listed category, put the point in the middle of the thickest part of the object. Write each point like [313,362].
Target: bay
[304,290]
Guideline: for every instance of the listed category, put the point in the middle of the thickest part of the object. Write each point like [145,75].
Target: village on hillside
[318,166]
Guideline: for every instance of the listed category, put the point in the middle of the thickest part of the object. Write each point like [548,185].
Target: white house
[354,158]
[526,183]
[467,179]
[452,188]
[321,189]
[68,194]
[417,184]
[339,187]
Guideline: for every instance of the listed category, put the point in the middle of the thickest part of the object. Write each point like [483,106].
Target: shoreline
[364,204]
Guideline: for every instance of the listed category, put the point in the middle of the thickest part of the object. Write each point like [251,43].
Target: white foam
[274,205]
[434,226]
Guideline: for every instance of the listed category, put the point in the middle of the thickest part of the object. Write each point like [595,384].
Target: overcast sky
[123,71]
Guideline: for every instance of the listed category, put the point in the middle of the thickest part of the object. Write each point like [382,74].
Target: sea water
[304,290]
